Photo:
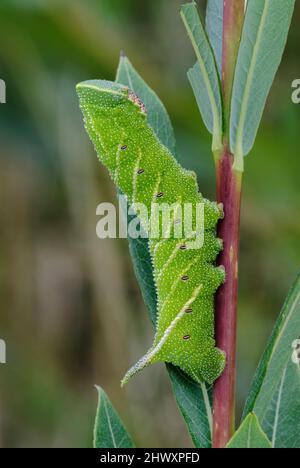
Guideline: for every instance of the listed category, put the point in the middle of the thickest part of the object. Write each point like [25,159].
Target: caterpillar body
[186,278]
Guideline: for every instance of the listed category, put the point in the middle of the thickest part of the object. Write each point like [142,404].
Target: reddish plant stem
[229,193]
[229,183]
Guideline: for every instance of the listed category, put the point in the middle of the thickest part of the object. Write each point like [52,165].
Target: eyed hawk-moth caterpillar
[186,279]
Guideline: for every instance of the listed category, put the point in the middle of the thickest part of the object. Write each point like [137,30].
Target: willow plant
[192,294]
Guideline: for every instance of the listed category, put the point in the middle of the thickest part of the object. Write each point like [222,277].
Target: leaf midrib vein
[278,403]
[109,425]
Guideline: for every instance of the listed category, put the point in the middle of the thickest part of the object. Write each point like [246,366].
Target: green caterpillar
[186,278]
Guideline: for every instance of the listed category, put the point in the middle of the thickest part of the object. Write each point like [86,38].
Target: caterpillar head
[114,116]
[101,94]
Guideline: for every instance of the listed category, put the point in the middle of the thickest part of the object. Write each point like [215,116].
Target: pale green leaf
[189,396]
[214,29]
[263,41]
[109,430]
[275,394]
[204,76]
[250,435]
[202,98]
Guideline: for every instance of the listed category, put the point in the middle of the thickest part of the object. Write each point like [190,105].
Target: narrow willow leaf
[190,396]
[198,85]
[250,435]
[275,394]
[204,76]
[195,403]
[263,41]
[186,277]
[214,29]
[141,259]
[109,430]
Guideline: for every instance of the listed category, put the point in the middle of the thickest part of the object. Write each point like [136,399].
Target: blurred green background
[71,311]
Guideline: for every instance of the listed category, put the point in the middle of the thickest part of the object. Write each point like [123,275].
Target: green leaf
[139,251]
[109,430]
[195,403]
[202,98]
[214,29]
[263,41]
[275,394]
[250,435]
[188,394]
[204,76]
